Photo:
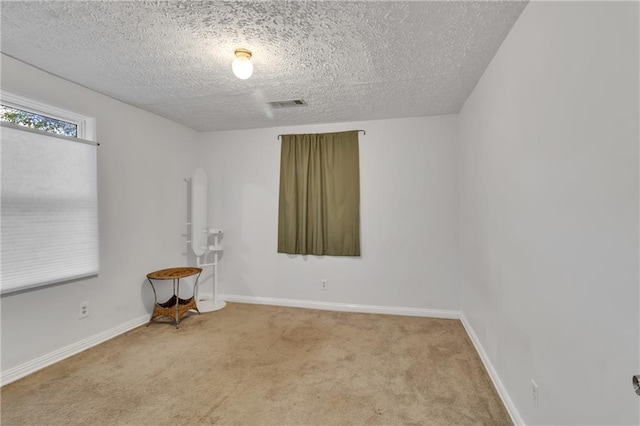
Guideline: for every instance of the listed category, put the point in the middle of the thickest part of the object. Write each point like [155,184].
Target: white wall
[142,199]
[549,211]
[409,217]
[541,194]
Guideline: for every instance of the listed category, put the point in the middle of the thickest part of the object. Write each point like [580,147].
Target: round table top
[173,273]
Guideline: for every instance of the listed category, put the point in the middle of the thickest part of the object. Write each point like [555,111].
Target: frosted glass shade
[242,67]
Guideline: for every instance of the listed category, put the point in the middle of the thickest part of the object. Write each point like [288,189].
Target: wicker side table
[175,307]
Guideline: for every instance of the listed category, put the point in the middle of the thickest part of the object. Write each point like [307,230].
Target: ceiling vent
[288,104]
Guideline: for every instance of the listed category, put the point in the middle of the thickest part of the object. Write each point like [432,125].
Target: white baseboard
[39,363]
[493,374]
[343,307]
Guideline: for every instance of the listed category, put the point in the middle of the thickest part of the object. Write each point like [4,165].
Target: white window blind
[49,209]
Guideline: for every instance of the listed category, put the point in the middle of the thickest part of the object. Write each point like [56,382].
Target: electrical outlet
[324,285]
[535,394]
[84,310]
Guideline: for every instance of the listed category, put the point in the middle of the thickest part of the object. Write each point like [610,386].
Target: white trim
[343,307]
[39,363]
[86,125]
[493,374]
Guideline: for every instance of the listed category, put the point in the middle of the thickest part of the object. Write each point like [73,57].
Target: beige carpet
[267,365]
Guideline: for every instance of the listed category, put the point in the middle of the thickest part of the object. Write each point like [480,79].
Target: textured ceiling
[349,61]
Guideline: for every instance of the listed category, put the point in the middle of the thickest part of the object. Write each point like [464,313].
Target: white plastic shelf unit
[210,304]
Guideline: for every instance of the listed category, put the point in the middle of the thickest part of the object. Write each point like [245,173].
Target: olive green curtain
[319,210]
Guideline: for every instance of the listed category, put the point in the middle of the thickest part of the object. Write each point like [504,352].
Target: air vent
[288,104]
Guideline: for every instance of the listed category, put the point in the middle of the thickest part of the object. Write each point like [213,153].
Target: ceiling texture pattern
[349,61]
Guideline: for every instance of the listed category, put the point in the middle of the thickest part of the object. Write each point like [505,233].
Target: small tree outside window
[36,121]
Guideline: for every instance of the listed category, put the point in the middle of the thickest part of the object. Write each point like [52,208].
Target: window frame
[86,126]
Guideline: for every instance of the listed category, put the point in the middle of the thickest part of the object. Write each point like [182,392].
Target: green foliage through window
[36,121]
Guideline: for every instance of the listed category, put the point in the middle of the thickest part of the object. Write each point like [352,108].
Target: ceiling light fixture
[241,65]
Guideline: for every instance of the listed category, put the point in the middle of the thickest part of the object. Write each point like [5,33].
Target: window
[20,110]
[37,121]
[49,215]
[319,207]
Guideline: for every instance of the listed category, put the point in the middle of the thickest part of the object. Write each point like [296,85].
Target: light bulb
[241,65]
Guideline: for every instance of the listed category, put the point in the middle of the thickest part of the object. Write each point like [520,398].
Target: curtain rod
[363,132]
